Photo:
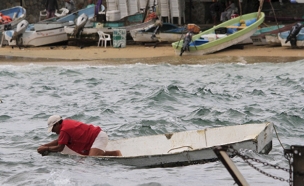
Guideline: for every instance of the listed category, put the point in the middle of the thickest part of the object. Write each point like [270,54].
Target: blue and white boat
[17,14]
[259,37]
[48,31]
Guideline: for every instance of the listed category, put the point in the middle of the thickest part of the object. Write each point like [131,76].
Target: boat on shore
[89,34]
[127,23]
[259,37]
[272,38]
[158,32]
[232,32]
[16,13]
[48,31]
[188,147]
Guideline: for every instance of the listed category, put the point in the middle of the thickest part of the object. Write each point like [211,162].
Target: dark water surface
[138,100]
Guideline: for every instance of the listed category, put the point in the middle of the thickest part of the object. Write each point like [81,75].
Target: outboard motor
[158,24]
[80,22]
[20,29]
[292,37]
[186,44]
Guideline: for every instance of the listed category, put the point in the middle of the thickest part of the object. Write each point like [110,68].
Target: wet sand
[143,54]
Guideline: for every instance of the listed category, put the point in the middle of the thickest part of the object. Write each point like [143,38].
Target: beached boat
[128,23]
[189,147]
[48,31]
[272,38]
[16,13]
[235,30]
[283,37]
[162,32]
[259,37]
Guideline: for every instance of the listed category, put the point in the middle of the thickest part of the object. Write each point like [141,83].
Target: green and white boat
[223,35]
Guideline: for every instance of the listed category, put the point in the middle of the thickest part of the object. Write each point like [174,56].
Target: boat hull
[189,147]
[166,33]
[219,46]
[231,39]
[259,37]
[273,40]
[38,38]
[18,11]
[44,37]
[161,37]
[49,31]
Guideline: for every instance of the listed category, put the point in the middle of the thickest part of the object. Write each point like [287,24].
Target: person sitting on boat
[51,6]
[70,5]
[226,15]
[84,139]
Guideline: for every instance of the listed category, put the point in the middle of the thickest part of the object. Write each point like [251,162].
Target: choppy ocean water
[137,100]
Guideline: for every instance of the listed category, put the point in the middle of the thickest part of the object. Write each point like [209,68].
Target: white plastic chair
[104,38]
[43,13]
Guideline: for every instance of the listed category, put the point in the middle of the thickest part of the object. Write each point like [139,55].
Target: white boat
[272,40]
[189,147]
[47,31]
[259,37]
[106,29]
[16,13]
[90,32]
[158,32]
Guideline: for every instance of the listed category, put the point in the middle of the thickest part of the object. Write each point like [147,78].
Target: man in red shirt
[82,138]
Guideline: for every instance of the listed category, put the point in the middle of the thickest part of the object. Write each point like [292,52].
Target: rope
[260,8]
[278,136]
[275,17]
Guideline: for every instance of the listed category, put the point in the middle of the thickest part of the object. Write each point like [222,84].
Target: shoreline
[162,53]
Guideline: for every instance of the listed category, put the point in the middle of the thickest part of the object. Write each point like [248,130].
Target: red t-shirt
[78,136]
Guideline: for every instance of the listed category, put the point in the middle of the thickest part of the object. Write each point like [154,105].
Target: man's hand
[43,150]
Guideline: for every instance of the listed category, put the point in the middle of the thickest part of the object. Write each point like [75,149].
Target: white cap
[52,121]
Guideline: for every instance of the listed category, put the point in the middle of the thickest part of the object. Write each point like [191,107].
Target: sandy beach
[143,54]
